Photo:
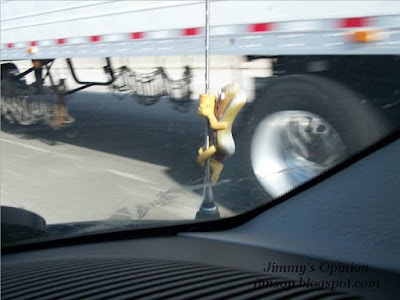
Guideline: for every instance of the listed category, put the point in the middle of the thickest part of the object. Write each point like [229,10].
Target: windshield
[111,124]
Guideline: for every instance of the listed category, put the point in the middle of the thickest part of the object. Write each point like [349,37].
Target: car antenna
[208,209]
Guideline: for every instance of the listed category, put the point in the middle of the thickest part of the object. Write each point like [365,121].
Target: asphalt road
[120,160]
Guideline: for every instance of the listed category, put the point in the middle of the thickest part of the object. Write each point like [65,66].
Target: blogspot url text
[308,282]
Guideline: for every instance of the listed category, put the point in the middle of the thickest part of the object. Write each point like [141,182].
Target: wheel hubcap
[290,147]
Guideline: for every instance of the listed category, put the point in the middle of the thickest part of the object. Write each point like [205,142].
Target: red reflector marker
[261,27]
[355,22]
[190,31]
[61,41]
[33,44]
[10,45]
[95,38]
[137,35]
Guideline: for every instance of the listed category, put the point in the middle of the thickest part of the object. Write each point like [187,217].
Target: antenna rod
[207,34]
[208,208]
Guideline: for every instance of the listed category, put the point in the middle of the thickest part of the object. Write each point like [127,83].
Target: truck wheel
[302,125]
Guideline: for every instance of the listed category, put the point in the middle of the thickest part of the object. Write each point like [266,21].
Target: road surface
[119,161]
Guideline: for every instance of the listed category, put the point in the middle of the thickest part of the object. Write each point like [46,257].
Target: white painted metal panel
[39,20]
[67,28]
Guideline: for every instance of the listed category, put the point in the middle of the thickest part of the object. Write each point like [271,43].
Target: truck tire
[302,125]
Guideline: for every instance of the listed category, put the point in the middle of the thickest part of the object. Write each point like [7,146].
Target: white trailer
[295,128]
[63,29]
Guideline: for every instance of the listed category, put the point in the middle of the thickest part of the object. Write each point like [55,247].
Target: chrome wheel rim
[290,147]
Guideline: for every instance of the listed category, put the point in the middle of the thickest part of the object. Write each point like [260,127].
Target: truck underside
[375,76]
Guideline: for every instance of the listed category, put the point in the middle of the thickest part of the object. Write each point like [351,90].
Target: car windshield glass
[107,123]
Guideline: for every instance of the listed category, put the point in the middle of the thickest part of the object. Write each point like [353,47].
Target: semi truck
[321,77]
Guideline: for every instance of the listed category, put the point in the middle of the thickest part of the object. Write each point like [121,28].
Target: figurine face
[225,96]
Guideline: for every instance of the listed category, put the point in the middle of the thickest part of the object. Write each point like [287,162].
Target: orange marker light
[32,50]
[365,36]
